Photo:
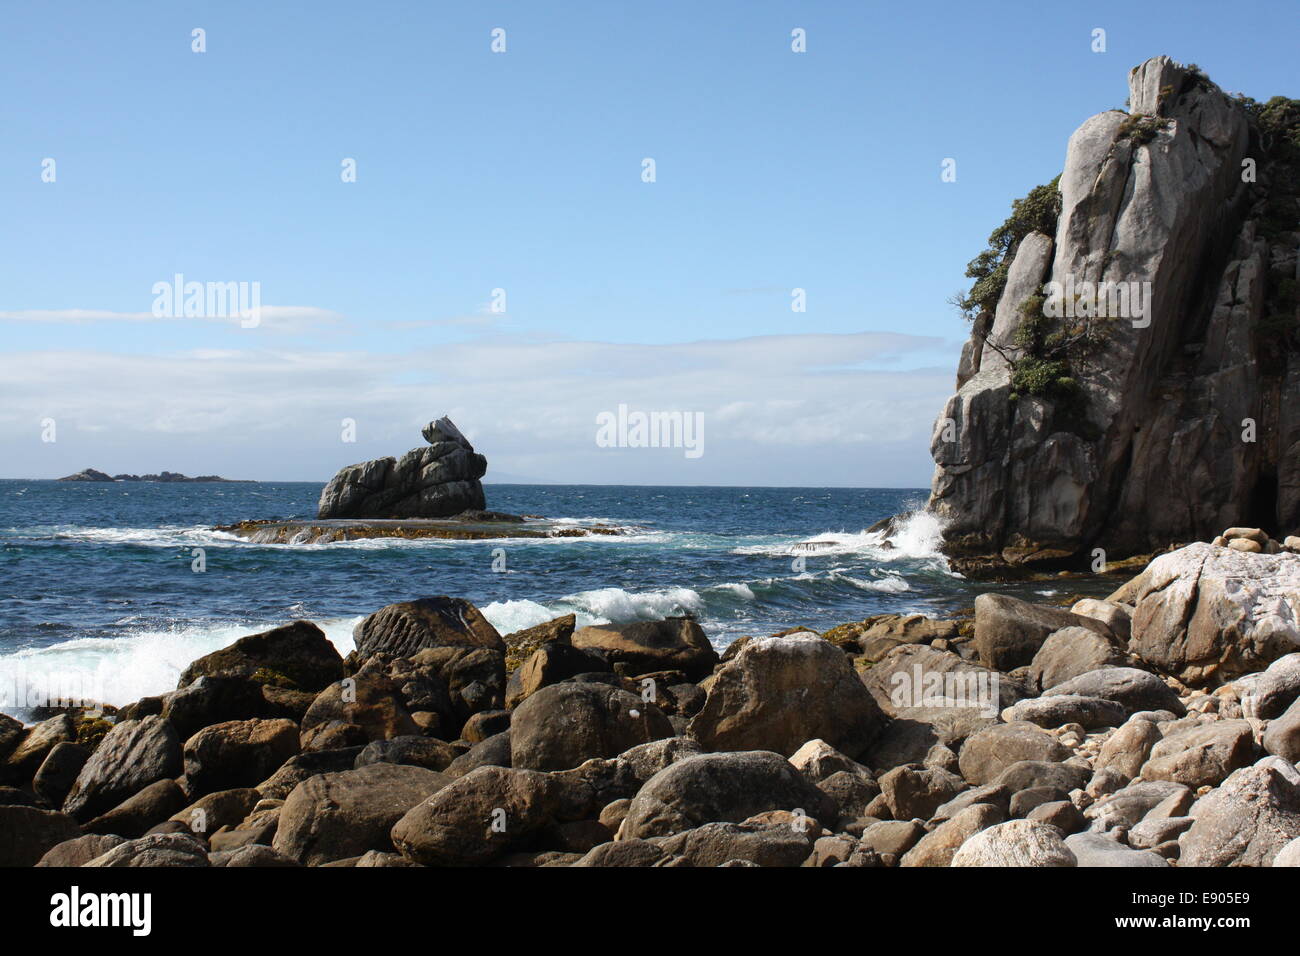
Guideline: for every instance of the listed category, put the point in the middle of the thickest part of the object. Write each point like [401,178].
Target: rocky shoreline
[468,526]
[164,477]
[1157,728]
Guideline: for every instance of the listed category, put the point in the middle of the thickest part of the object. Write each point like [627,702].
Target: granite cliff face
[1184,416]
[436,481]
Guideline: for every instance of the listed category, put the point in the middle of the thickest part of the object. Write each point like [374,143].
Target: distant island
[90,474]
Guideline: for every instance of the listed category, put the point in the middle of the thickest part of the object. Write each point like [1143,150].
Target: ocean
[97,580]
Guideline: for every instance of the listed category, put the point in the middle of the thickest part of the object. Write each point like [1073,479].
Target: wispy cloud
[800,409]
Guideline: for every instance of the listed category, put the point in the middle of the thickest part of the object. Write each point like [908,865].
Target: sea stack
[436,481]
[1176,420]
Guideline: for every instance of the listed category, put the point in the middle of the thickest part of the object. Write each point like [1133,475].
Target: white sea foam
[202,536]
[917,535]
[122,669]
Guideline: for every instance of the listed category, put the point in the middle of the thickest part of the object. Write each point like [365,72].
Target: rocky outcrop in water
[1181,416]
[437,481]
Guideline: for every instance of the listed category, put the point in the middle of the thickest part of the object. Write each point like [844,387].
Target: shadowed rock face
[1158,456]
[437,481]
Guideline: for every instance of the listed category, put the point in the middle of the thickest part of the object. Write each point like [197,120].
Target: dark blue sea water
[98,577]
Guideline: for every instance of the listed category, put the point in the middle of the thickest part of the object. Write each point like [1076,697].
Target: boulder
[80,850]
[27,834]
[134,754]
[1289,855]
[479,817]
[1072,652]
[563,725]
[1282,737]
[1062,814]
[626,853]
[913,677]
[159,849]
[912,792]
[1100,849]
[426,752]
[1009,632]
[436,481]
[720,788]
[550,664]
[938,847]
[1133,689]
[139,813]
[1059,710]
[675,643]
[1247,820]
[225,808]
[521,645]
[333,816]
[298,768]
[1117,617]
[986,754]
[1269,693]
[1033,774]
[27,757]
[1015,843]
[493,752]
[713,844]
[251,855]
[1207,614]
[357,710]
[58,772]
[297,655]
[401,630]
[213,700]
[1129,805]
[780,692]
[1202,756]
[11,735]
[1127,749]
[238,753]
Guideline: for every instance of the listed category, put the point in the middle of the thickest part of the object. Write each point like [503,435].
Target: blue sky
[522,171]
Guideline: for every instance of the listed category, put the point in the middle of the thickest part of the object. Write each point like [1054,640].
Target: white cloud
[790,409]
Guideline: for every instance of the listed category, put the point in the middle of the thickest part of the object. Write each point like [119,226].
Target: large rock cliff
[436,481]
[1174,415]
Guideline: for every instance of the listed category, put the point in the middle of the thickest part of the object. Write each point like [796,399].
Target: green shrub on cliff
[1036,212]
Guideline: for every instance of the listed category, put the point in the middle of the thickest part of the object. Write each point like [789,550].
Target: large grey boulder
[674,643]
[1283,735]
[780,692]
[1202,756]
[1207,614]
[1100,849]
[1268,694]
[720,788]
[297,655]
[134,754]
[408,627]
[27,834]
[563,725]
[1072,652]
[338,815]
[985,755]
[436,481]
[480,816]
[1133,689]
[1015,843]
[1246,821]
[1009,631]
